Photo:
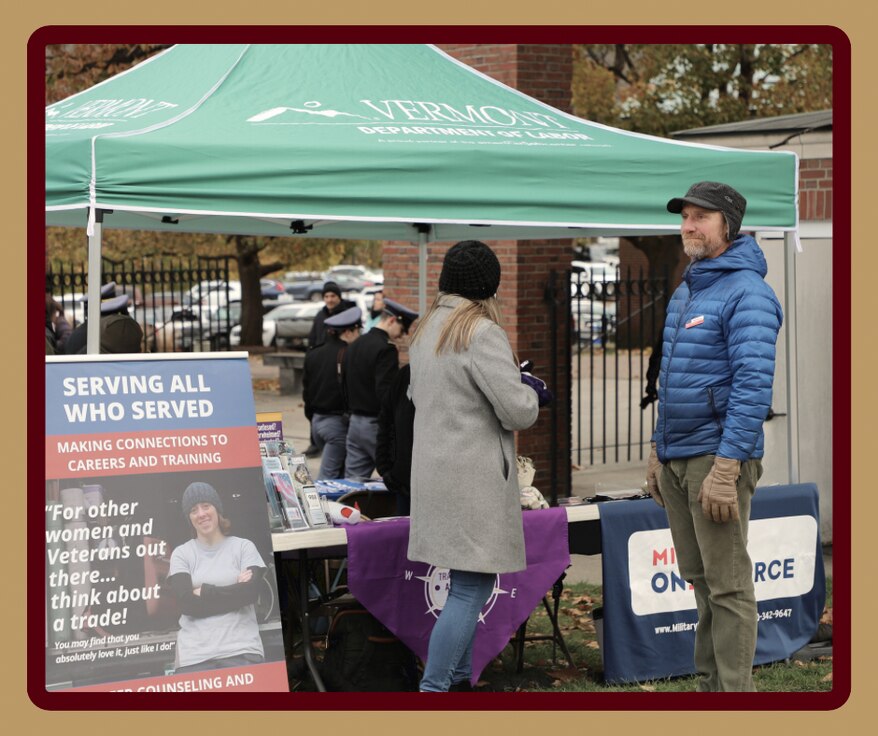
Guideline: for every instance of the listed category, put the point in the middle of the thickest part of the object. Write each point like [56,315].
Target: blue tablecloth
[649,610]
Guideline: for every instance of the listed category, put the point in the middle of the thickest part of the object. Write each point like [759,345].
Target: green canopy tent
[368,141]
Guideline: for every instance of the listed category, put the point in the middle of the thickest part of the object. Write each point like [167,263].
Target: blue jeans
[450,653]
[330,433]
[362,440]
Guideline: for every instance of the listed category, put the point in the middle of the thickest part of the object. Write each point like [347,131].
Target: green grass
[541,674]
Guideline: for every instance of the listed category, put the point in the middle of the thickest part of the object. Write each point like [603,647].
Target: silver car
[285,325]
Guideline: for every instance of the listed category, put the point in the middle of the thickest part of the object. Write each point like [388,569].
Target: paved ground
[584,568]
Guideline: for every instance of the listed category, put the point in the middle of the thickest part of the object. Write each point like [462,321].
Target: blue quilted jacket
[718,358]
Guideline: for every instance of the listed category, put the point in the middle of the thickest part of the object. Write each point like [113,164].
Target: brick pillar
[543,72]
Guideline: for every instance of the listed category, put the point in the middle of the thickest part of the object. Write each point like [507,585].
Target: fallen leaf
[575,466]
[266,384]
[648,688]
[566,675]
[593,645]
[828,678]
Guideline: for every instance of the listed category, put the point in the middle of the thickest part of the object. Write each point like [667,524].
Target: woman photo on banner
[469,396]
[215,578]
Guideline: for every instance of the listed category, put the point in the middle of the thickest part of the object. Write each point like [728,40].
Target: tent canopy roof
[369,141]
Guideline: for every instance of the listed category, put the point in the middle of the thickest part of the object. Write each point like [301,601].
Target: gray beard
[696,250]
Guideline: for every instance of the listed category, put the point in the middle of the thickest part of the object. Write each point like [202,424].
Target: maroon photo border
[841,365]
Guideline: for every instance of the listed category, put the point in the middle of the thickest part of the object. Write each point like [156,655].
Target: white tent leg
[792,353]
[422,272]
[93,334]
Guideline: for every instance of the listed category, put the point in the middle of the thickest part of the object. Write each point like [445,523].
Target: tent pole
[792,353]
[422,268]
[93,332]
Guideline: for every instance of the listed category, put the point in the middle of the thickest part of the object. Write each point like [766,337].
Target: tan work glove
[719,493]
[653,470]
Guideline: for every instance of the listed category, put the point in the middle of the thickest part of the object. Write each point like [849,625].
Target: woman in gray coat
[469,397]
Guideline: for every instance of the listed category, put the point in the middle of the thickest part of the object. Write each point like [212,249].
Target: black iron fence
[181,304]
[616,317]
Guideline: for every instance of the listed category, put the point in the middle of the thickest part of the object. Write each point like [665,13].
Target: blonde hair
[458,330]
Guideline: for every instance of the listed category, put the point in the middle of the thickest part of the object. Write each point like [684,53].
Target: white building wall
[815,347]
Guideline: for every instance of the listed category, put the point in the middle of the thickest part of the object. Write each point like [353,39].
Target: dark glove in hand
[544,396]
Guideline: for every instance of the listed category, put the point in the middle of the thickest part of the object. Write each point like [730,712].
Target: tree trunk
[250,271]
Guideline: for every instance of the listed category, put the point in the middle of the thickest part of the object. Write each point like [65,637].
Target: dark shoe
[312,451]
[460,687]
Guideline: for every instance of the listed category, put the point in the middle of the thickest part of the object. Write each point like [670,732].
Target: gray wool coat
[465,508]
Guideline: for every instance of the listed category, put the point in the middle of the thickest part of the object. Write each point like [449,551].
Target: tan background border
[22,19]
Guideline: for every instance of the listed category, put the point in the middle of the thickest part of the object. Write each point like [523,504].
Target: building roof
[798,123]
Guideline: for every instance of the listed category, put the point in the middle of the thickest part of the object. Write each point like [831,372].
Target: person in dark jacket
[323,395]
[370,365]
[332,304]
[58,329]
[393,451]
[715,382]
[119,331]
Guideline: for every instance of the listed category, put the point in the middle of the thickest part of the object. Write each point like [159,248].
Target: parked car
[367,275]
[305,291]
[288,325]
[594,321]
[293,325]
[297,319]
[216,293]
[312,291]
[179,332]
[272,289]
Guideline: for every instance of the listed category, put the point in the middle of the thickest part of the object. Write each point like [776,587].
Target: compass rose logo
[437,582]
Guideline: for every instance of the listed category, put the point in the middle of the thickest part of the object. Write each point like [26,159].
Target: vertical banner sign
[159,567]
[649,609]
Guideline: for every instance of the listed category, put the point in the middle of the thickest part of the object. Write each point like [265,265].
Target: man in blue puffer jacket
[714,395]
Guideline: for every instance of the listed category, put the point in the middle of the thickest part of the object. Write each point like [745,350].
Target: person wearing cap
[714,394]
[323,395]
[119,332]
[469,397]
[332,304]
[215,578]
[370,365]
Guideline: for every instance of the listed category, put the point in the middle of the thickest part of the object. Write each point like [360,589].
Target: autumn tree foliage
[662,88]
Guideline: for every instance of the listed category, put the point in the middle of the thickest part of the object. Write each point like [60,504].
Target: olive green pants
[713,558]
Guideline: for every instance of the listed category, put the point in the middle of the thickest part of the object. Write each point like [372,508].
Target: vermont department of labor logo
[437,583]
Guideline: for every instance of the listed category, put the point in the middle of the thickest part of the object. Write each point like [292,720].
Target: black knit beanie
[200,492]
[331,286]
[470,269]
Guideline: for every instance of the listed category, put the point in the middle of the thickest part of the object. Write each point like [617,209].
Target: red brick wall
[543,72]
[815,189]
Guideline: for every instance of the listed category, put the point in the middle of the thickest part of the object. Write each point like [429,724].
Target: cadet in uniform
[323,394]
[120,332]
[370,365]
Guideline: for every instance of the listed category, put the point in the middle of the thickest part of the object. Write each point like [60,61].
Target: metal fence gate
[616,318]
[181,305]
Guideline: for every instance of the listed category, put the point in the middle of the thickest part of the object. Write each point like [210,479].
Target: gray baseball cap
[714,195]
